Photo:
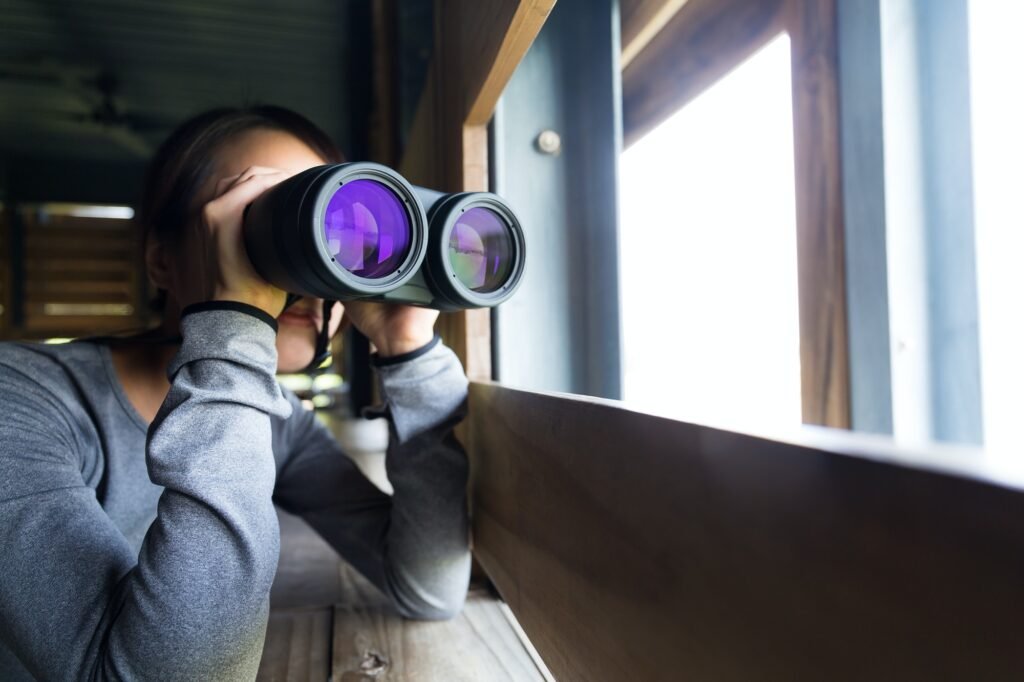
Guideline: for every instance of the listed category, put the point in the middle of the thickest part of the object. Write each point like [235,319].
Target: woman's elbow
[432,594]
[442,609]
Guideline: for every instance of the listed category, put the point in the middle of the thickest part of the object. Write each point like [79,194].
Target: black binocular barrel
[361,231]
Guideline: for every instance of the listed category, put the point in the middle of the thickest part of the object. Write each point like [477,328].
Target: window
[997,114]
[709,257]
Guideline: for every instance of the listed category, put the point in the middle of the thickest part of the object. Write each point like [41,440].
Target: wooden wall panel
[476,48]
[631,547]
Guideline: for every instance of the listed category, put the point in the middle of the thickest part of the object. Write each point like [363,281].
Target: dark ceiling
[101,82]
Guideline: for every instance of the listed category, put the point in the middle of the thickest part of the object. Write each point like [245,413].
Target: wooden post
[477,46]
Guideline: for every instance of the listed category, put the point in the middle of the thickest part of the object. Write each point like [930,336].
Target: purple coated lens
[367,229]
[480,250]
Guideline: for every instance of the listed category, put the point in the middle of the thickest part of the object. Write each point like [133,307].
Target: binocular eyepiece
[361,231]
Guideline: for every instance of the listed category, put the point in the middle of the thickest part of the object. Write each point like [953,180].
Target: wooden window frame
[701,42]
[477,46]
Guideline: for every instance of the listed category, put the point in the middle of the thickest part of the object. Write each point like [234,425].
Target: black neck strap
[323,340]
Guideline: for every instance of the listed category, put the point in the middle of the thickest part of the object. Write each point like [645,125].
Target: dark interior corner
[90,88]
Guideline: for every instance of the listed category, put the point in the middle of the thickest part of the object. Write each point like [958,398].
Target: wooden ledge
[328,622]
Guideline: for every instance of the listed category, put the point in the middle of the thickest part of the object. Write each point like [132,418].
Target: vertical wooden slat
[5,272]
[16,260]
[824,346]
[384,114]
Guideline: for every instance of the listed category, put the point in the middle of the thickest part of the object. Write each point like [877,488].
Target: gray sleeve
[413,545]
[193,604]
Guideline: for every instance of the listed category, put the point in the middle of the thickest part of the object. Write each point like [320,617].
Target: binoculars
[361,231]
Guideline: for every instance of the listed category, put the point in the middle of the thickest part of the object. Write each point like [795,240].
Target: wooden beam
[384,132]
[641,20]
[824,343]
[528,16]
[477,48]
[702,42]
[634,547]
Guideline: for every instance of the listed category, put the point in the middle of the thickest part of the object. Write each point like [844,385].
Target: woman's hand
[225,272]
[393,329]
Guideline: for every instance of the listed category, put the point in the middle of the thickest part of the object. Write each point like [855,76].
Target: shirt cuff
[378,361]
[422,394]
[236,306]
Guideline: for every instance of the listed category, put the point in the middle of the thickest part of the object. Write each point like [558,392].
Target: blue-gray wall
[560,332]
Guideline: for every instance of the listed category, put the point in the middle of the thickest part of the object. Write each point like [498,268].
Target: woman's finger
[224,184]
[241,193]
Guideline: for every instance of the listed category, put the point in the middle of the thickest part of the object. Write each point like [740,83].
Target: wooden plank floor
[297,645]
[375,644]
[327,622]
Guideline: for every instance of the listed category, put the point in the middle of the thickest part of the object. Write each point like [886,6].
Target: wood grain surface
[632,547]
[326,619]
[79,276]
[640,21]
[375,644]
[821,255]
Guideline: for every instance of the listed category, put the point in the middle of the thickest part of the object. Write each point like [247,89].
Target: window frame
[698,46]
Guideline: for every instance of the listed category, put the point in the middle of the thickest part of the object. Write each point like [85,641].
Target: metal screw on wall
[549,142]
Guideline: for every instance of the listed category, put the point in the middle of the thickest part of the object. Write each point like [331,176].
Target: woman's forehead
[265,147]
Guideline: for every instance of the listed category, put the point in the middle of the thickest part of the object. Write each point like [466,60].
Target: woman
[138,537]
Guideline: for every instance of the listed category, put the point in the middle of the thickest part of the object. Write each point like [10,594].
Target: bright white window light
[997,121]
[708,255]
[86,309]
[111,212]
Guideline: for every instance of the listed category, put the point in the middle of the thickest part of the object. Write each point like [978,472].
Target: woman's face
[299,325]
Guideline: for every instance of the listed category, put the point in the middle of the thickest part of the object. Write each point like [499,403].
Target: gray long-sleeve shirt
[128,553]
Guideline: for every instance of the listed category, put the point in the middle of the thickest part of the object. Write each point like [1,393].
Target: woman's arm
[76,603]
[415,545]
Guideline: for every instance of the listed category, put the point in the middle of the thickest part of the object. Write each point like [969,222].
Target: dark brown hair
[183,163]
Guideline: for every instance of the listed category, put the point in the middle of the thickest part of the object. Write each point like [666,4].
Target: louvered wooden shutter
[81,275]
